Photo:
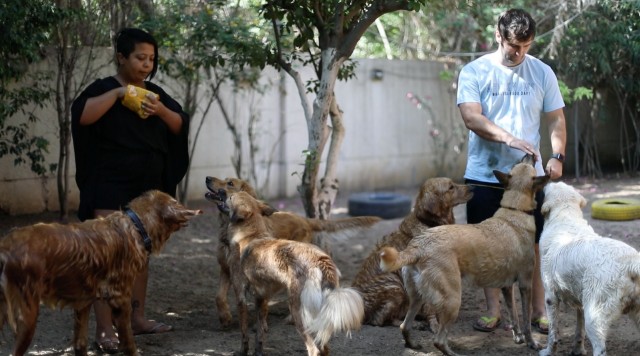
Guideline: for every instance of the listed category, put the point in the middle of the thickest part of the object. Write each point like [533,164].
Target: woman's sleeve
[83,136]
[177,162]
[84,147]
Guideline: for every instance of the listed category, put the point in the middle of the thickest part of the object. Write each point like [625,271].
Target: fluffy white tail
[341,310]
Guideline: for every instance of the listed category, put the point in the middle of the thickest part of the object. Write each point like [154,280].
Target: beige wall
[387,144]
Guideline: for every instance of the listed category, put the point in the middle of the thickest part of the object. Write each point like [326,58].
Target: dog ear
[540,182]
[266,209]
[245,187]
[503,178]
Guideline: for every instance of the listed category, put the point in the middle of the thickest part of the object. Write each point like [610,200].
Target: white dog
[598,276]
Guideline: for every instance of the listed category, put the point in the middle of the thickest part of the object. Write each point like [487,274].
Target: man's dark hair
[127,39]
[516,24]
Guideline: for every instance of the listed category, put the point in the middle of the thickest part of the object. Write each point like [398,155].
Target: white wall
[387,143]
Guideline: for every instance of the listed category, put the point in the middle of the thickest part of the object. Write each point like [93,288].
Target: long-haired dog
[598,276]
[74,265]
[282,225]
[318,305]
[495,253]
[385,298]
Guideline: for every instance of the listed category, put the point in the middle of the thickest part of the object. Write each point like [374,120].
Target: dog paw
[545,352]
[534,345]
[518,338]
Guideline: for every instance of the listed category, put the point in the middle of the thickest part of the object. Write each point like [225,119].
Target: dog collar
[136,221]
[528,212]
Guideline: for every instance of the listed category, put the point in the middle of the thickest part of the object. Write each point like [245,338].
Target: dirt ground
[184,279]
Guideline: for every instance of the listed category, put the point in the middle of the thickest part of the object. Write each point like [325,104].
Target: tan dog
[283,225]
[495,253]
[318,306]
[74,265]
[385,298]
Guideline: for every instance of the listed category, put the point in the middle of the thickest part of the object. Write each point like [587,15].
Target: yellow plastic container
[133,98]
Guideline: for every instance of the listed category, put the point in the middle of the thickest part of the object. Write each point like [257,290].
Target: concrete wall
[387,144]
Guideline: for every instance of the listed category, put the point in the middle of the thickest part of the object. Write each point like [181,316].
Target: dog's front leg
[80,330]
[224,314]
[28,309]
[121,311]
[243,316]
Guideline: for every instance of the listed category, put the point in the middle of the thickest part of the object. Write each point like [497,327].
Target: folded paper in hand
[133,98]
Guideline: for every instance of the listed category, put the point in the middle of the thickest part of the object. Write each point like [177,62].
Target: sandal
[157,328]
[541,325]
[487,323]
[107,345]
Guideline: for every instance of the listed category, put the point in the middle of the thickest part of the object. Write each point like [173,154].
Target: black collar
[136,221]
[528,212]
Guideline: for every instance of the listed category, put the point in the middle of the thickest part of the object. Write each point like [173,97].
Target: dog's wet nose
[529,159]
[207,180]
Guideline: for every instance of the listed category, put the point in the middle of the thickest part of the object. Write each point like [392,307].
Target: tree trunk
[318,135]
[329,183]
[67,57]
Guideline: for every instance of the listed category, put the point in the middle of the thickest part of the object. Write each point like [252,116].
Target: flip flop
[482,324]
[107,345]
[158,328]
[541,325]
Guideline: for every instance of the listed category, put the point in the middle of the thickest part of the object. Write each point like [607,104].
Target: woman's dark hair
[127,39]
[516,24]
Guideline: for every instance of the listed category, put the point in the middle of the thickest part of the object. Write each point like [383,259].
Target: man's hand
[525,147]
[554,168]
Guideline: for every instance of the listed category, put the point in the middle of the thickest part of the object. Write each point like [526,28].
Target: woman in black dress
[120,154]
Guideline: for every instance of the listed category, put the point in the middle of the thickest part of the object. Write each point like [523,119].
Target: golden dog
[74,265]
[282,225]
[318,306]
[495,253]
[385,298]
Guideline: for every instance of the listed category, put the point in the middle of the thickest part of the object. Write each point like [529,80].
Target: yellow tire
[617,209]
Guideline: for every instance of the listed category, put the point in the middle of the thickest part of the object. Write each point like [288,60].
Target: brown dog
[282,225]
[76,264]
[495,253]
[318,306]
[385,298]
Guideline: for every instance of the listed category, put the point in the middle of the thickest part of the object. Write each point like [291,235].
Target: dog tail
[326,312]
[342,310]
[344,227]
[392,260]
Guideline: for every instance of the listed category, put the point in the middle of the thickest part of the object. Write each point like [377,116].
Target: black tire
[386,205]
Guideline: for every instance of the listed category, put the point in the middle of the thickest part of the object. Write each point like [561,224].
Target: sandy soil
[184,279]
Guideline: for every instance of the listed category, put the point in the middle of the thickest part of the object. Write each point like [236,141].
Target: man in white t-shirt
[502,97]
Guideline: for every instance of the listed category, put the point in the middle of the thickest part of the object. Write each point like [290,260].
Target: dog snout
[529,159]
[222,194]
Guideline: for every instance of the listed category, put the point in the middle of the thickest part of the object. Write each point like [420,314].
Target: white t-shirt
[514,99]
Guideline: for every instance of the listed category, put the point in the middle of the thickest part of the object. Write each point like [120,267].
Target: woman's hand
[151,105]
